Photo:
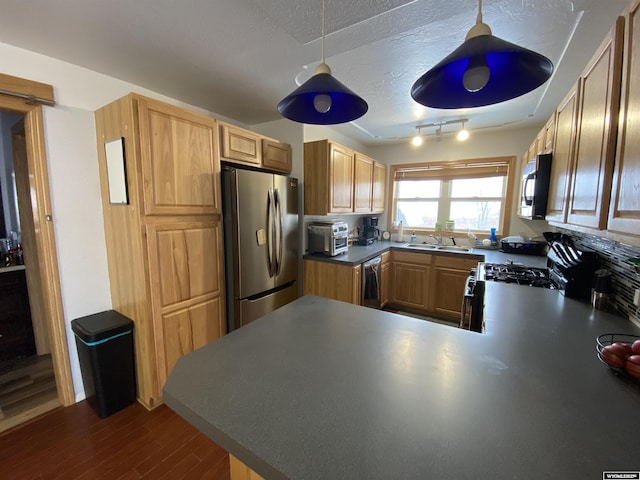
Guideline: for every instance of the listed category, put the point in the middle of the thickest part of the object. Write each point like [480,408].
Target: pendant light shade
[482,71]
[322,100]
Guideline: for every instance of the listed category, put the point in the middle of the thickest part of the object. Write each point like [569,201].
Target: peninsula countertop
[321,389]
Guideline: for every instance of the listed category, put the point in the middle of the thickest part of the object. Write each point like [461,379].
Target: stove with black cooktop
[514,273]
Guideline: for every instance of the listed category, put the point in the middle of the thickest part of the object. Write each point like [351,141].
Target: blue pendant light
[322,100]
[482,71]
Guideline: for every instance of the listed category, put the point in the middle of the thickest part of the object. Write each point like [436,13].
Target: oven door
[340,243]
[471,316]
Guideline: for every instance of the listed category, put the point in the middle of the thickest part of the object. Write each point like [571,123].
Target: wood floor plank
[73,443]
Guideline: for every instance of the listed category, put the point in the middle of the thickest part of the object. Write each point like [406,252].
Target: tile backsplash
[615,256]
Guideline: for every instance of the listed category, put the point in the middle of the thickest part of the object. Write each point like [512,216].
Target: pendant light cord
[479,17]
[323,31]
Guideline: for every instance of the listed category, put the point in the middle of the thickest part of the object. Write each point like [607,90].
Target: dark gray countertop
[322,389]
[358,254]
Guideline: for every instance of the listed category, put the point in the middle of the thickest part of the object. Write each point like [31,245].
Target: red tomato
[635,348]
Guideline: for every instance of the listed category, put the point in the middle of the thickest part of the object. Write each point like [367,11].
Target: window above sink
[474,194]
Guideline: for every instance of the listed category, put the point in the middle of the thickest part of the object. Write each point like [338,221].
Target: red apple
[623,347]
[633,366]
[614,355]
[635,348]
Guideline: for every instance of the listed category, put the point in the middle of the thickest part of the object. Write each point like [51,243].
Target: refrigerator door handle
[270,232]
[280,230]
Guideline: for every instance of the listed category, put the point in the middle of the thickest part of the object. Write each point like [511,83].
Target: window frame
[456,169]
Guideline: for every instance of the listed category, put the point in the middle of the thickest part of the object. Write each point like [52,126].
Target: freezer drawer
[246,310]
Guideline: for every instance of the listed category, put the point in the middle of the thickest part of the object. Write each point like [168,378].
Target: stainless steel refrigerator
[260,214]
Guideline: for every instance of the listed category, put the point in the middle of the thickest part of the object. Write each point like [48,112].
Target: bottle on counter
[413,237]
[492,237]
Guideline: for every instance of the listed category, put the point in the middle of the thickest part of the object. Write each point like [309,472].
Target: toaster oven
[327,238]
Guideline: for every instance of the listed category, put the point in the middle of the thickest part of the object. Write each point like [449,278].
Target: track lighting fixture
[462,135]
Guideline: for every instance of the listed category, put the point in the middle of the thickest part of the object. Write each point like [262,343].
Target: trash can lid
[101,326]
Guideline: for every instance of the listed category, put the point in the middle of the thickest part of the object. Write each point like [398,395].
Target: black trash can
[105,350]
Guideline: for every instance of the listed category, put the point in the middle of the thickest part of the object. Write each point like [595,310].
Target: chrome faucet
[437,238]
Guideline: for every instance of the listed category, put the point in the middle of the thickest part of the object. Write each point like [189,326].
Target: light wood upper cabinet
[328,174]
[597,128]
[624,210]
[341,163]
[549,134]
[379,187]
[363,188]
[339,180]
[563,155]
[276,155]
[240,145]
[178,157]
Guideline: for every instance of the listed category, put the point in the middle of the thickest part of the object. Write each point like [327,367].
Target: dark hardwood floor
[74,443]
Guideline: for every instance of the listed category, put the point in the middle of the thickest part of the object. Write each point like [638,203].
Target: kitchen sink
[453,248]
[442,248]
[422,246]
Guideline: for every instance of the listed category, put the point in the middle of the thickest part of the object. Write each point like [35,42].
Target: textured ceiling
[239,58]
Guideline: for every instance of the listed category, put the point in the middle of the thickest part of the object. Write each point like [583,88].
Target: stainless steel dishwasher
[371,282]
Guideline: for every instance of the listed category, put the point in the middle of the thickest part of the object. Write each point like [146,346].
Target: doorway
[40,258]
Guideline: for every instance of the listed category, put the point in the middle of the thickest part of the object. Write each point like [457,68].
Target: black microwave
[534,188]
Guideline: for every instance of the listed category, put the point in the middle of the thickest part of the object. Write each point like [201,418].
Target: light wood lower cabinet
[332,280]
[449,278]
[432,284]
[186,274]
[411,279]
[385,279]
[188,329]
[239,471]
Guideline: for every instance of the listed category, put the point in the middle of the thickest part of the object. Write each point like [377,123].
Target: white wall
[323,132]
[77,215]
[479,145]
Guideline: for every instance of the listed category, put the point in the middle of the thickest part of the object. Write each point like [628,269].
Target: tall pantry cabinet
[165,244]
